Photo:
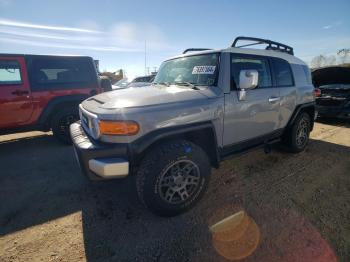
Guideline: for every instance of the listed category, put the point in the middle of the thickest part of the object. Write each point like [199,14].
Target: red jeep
[43,92]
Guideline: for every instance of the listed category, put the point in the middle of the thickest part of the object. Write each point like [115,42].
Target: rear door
[257,115]
[285,83]
[15,99]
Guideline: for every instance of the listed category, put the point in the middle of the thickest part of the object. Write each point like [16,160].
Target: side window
[282,72]
[60,73]
[241,62]
[10,72]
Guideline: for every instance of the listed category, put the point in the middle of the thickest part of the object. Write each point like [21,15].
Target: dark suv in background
[332,86]
[40,92]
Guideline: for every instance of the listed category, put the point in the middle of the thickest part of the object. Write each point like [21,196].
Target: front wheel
[297,136]
[173,177]
[60,124]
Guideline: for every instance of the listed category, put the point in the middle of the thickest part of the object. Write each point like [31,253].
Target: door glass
[10,73]
[239,63]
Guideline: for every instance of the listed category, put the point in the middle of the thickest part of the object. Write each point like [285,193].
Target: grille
[89,123]
[85,120]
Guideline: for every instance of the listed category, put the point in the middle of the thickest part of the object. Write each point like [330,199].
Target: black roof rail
[195,49]
[271,45]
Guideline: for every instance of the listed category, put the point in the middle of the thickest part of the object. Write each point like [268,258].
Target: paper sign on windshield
[198,70]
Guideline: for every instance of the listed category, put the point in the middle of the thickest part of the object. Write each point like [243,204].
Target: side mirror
[106,84]
[248,79]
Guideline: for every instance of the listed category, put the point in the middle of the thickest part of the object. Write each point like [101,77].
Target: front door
[15,100]
[257,115]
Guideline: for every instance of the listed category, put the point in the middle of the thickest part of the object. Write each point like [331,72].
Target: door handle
[20,92]
[274,99]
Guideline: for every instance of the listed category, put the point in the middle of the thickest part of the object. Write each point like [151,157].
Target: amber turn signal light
[118,128]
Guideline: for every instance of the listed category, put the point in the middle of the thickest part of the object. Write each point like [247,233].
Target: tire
[60,123]
[297,136]
[173,177]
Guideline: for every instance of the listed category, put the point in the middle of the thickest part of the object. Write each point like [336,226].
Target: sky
[117,32]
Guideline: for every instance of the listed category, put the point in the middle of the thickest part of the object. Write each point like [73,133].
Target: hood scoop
[95,100]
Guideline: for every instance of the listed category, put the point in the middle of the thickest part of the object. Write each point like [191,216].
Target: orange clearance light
[119,128]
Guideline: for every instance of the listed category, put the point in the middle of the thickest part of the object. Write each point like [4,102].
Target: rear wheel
[60,124]
[297,136]
[173,177]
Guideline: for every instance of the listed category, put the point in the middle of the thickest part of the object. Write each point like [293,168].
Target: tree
[318,61]
[330,60]
[344,55]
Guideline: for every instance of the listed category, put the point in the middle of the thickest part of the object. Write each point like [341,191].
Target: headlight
[121,128]
[80,113]
[94,127]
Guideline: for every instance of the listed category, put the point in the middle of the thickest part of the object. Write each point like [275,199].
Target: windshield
[196,69]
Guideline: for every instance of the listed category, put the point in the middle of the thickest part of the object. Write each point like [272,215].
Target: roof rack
[195,49]
[271,45]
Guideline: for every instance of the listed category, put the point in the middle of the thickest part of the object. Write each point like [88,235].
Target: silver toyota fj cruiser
[202,107]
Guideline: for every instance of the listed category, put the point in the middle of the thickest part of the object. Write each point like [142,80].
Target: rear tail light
[317,92]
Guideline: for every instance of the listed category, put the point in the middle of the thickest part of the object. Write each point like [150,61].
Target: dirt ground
[49,212]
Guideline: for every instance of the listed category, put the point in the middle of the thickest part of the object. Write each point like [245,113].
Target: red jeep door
[15,99]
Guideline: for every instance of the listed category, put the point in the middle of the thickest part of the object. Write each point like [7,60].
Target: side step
[265,145]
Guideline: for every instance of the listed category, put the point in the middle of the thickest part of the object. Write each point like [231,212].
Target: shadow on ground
[300,203]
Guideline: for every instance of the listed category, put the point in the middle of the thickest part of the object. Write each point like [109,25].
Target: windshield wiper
[193,86]
[162,83]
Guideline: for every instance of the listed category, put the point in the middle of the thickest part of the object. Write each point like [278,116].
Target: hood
[146,96]
[331,75]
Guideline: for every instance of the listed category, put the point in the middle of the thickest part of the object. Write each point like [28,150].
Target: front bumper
[99,161]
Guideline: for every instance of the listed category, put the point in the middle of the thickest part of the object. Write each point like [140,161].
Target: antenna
[145,59]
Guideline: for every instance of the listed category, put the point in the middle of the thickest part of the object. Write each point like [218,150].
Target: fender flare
[139,146]
[57,101]
[302,107]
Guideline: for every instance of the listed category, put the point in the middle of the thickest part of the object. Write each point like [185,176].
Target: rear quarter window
[307,73]
[282,72]
[61,73]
